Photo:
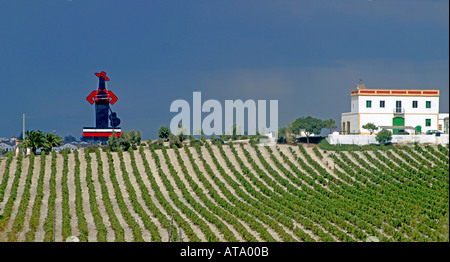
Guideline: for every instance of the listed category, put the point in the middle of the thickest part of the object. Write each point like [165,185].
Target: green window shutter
[428,104]
[369,103]
[427,122]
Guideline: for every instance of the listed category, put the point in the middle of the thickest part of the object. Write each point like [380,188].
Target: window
[427,122]
[428,104]
[369,103]
[398,106]
[381,103]
[414,105]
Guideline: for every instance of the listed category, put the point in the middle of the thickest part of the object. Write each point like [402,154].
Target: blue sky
[306,54]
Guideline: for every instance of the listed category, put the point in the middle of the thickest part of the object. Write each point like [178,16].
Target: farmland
[227,193]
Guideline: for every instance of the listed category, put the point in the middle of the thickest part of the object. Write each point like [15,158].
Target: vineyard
[227,193]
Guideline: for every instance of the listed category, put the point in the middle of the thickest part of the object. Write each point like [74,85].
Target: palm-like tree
[52,140]
[34,140]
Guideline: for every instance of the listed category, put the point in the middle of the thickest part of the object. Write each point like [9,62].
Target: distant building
[7,146]
[65,146]
[413,111]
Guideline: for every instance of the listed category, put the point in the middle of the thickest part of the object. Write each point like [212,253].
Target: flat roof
[394,92]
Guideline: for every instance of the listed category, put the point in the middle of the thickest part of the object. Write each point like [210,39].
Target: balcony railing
[399,110]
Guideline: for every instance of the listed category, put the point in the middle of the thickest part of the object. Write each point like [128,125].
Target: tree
[174,141]
[34,140]
[113,142]
[164,132]
[384,136]
[234,131]
[181,133]
[52,140]
[281,137]
[308,125]
[371,127]
[329,124]
[135,137]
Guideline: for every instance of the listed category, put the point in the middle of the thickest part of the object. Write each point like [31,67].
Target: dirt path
[364,158]
[20,190]
[347,154]
[164,233]
[280,159]
[251,151]
[234,162]
[12,171]
[2,167]
[147,182]
[420,156]
[266,155]
[72,192]
[127,160]
[372,154]
[58,200]
[128,235]
[92,229]
[402,160]
[223,164]
[208,158]
[191,172]
[164,192]
[98,193]
[166,171]
[40,233]
[163,189]
[33,189]
[230,155]
[285,150]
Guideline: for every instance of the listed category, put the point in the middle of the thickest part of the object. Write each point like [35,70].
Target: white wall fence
[336,139]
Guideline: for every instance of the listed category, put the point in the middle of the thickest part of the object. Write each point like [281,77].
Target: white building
[7,146]
[414,111]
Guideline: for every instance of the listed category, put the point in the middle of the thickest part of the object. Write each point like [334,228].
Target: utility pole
[23,127]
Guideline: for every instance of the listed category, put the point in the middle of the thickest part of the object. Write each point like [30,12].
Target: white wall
[353,118]
[390,104]
[335,139]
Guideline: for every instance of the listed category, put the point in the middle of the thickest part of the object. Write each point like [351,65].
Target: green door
[418,129]
[397,121]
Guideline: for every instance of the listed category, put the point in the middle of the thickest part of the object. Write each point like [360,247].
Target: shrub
[157,144]
[91,149]
[174,141]
[383,136]
[196,142]
[216,140]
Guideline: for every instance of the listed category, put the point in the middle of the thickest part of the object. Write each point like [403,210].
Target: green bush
[383,136]
[196,142]
[216,140]
[157,144]
[91,149]
[174,141]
